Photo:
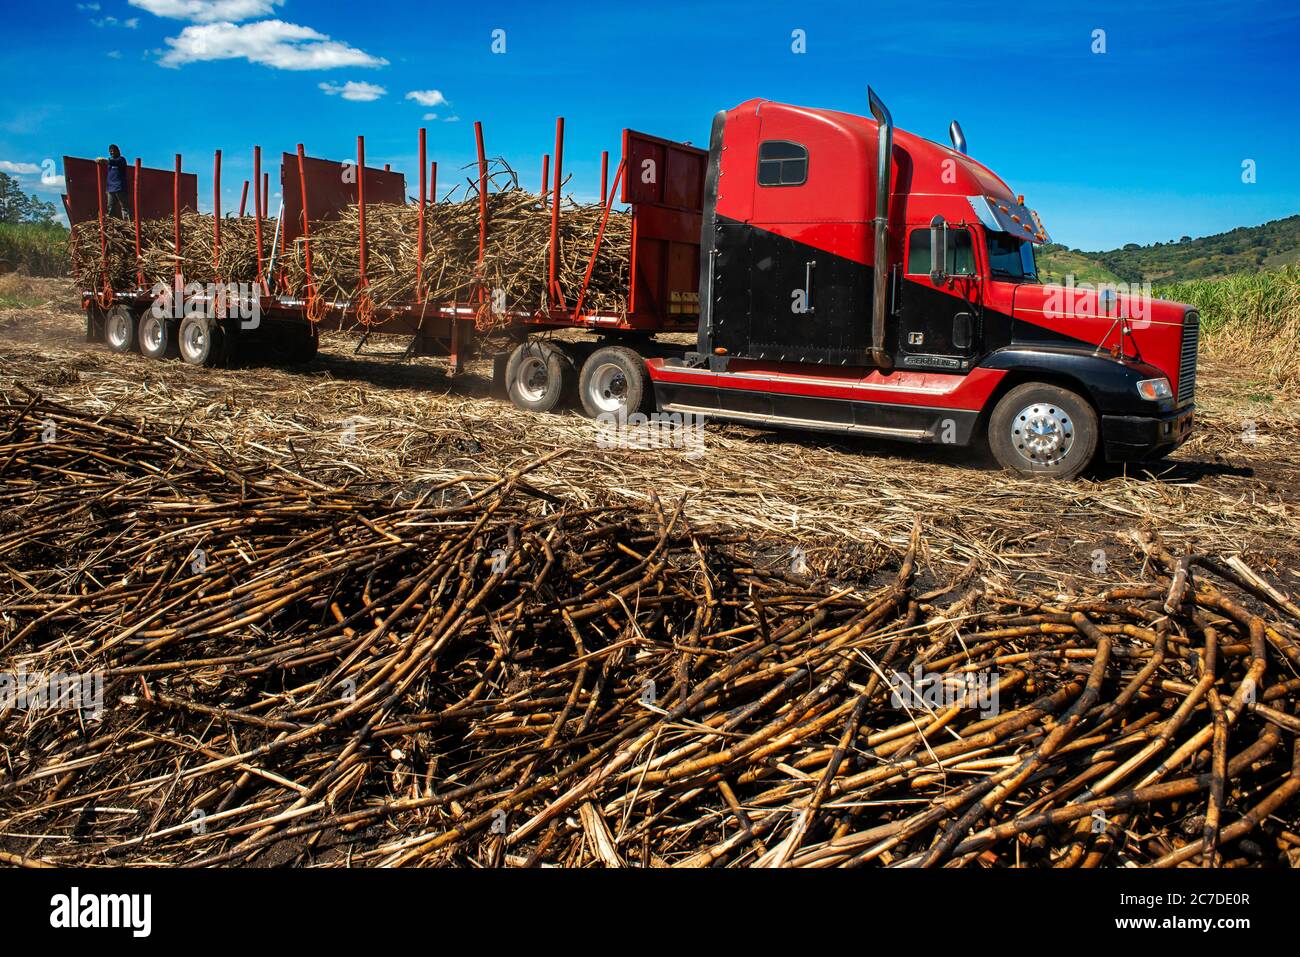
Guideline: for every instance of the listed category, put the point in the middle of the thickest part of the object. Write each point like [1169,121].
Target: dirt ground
[842,507]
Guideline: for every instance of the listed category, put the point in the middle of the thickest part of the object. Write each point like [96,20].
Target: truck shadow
[1171,471]
[978,458]
[386,371]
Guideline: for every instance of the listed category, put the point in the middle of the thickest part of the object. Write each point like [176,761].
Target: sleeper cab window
[961,254]
[782,163]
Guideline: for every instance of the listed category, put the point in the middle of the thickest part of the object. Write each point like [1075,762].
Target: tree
[17,207]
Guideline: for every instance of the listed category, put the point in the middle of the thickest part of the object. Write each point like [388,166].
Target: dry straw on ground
[477,671]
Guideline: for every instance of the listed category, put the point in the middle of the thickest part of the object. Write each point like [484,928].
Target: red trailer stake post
[365,309]
[176,217]
[314,310]
[554,286]
[546,177]
[259,199]
[107,296]
[216,215]
[243,199]
[419,242]
[135,214]
[482,193]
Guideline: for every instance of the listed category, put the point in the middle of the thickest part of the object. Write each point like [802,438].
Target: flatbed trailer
[839,275]
[665,216]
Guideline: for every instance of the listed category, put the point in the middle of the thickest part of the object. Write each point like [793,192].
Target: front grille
[1187,358]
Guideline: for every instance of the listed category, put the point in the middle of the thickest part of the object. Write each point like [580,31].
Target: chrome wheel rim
[151,334]
[607,387]
[1042,434]
[118,329]
[533,380]
[193,339]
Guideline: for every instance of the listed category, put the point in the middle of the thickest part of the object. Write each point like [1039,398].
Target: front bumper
[1129,438]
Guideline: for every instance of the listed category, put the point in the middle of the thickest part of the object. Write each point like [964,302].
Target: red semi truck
[844,276]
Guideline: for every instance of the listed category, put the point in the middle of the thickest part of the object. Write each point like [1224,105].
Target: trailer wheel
[1043,431]
[539,377]
[200,341]
[156,335]
[119,330]
[614,380]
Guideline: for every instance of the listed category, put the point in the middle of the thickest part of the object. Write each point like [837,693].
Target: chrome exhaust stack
[957,136]
[880,286]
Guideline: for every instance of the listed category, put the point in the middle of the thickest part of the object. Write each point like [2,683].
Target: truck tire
[614,380]
[200,341]
[539,377]
[1043,431]
[156,335]
[119,330]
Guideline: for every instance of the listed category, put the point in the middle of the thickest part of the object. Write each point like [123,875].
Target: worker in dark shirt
[119,201]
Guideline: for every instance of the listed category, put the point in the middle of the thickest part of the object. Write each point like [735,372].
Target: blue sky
[1141,143]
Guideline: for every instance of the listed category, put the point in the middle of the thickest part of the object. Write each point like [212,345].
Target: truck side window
[960,253]
[782,163]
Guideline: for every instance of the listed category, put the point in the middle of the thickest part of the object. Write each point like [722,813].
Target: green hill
[1055,262]
[1246,249]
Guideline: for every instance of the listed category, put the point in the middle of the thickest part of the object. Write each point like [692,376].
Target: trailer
[837,274]
[665,215]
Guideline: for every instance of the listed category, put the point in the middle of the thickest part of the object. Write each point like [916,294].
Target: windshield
[1011,258]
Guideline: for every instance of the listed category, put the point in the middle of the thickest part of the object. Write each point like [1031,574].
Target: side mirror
[938,250]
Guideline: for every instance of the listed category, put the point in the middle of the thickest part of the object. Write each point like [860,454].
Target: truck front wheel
[1043,431]
[539,377]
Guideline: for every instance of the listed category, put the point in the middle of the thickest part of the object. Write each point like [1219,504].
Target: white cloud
[207,11]
[49,180]
[354,90]
[273,43]
[452,119]
[427,97]
[102,22]
[114,54]
[430,116]
[87,6]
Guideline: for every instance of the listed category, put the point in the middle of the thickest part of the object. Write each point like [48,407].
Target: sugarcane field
[672,480]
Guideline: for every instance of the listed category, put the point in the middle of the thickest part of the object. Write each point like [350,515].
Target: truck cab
[862,279]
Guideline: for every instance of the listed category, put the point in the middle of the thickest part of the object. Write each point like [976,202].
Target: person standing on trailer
[119,200]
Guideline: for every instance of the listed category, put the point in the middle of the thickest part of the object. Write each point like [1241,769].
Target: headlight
[1154,389]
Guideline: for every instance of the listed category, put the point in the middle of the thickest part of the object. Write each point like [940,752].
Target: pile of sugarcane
[513,275]
[472,672]
[115,260]
[515,269]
